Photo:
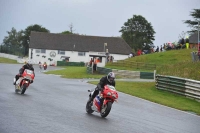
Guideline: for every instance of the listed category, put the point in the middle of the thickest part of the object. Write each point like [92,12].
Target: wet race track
[57,105]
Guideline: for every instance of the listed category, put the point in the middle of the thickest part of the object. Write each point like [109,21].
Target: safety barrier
[124,73]
[103,70]
[186,87]
[64,63]
[133,64]
[89,70]
[195,56]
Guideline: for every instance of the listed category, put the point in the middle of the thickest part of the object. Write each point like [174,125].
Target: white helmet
[29,63]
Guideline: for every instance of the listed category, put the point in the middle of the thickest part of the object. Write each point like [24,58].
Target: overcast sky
[97,17]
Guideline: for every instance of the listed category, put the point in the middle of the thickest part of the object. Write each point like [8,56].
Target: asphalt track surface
[57,105]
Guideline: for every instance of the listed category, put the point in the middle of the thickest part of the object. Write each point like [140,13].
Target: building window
[61,52]
[37,51]
[43,51]
[81,53]
[40,51]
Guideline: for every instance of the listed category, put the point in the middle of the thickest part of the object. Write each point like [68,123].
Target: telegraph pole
[198,37]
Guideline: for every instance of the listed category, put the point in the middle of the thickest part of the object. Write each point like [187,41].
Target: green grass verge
[173,63]
[6,60]
[147,90]
[74,73]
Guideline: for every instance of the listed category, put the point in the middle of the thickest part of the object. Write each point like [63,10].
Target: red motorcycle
[23,82]
[45,66]
[102,103]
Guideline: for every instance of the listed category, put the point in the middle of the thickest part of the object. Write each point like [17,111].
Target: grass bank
[173,63]
[6,60]
[74,73]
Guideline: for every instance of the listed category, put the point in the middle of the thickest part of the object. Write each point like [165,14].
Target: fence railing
[12,49]
[187,87]
[136,65]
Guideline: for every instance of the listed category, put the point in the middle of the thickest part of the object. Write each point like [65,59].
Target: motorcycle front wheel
[105,109]
[16,89]
[23,89]
[88,107]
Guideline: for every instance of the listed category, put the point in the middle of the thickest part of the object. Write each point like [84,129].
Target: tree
[12,43]
[13,38]
[193,24]
[27,32]
[138,33]
[66,32]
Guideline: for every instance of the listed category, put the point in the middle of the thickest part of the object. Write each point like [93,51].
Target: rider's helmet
[111,77]
[29,63]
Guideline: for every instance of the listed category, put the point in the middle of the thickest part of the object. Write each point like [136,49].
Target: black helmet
[111,77]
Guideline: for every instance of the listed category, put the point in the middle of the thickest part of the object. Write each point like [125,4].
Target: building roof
[80,43]
[194,38]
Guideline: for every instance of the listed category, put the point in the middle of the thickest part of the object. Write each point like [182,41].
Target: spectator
[182,42]
[139,52]
[187,42]
[161,49]
[111,58]
[95,64]
[133,55]
[108,58]
[91,60]
[130,55]
[157,49]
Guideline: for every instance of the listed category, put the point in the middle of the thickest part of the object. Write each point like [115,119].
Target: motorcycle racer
[106,80]
[29,66]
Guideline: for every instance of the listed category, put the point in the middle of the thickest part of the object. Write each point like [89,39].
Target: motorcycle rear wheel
[105,109]
[23,89]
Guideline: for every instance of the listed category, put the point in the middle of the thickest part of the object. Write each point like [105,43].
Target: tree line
[136,31]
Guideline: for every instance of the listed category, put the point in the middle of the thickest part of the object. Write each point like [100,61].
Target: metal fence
[186,87]
[14,50]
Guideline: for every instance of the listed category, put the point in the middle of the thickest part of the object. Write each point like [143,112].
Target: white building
[50,48]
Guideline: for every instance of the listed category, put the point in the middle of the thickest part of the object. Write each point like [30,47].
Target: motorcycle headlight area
[28,77]
[113,95]
[108,94]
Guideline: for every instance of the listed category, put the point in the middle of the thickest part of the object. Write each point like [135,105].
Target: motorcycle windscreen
[111,87]
[28,74]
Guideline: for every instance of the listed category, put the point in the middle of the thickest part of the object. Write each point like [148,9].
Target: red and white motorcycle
[45,66]
[102,103]
[23,82]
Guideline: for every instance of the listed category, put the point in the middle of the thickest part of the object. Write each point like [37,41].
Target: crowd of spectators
[181,44]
